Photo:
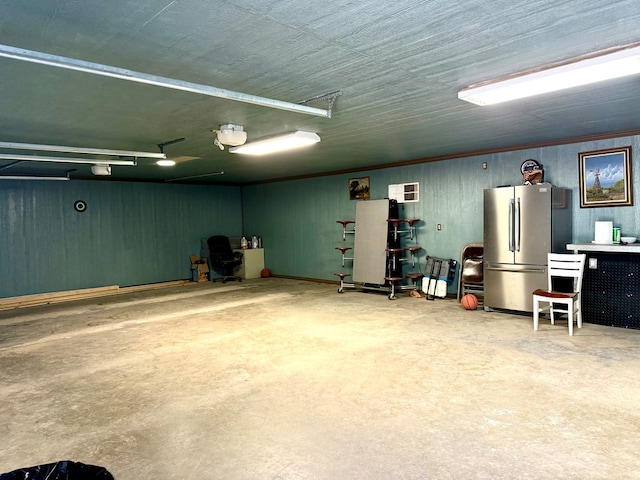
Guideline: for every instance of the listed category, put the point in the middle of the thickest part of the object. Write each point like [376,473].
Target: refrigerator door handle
[511,207]
[516,228]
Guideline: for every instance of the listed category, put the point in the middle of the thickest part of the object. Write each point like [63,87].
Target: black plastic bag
[64,470]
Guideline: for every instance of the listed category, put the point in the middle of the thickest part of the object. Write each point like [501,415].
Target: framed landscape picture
[605,178]
[359,188]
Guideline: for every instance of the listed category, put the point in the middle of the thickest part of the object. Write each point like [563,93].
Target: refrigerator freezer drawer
[510,287]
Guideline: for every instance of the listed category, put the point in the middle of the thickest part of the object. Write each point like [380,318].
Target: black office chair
[223,259]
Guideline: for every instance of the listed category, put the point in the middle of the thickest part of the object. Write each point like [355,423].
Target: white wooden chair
[561,266]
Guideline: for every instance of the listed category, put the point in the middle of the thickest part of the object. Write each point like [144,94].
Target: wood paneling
[130,233]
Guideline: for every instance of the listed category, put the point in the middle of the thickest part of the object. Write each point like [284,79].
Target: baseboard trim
[38,299]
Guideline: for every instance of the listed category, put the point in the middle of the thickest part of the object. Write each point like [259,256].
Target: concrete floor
[284,379]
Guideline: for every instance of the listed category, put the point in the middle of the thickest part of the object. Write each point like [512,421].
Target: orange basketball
[265,272]
[469,302]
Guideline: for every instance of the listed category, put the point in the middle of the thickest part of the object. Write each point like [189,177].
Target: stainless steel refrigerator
[521,225]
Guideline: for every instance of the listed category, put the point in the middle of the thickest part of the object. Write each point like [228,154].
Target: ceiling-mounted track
[139,77]
[212,174]
[41,158]
[80,150]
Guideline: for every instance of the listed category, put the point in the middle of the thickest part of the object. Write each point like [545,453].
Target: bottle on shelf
[243,243]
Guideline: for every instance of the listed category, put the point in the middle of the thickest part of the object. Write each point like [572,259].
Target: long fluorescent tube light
[596,67]
[30,177]
[133,76]
[91,161]
[91,151]
[280,143]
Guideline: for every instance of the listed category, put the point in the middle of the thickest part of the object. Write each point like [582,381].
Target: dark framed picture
[359,188]
[605,178]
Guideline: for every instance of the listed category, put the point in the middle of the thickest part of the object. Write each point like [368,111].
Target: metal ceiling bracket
[139,77]
[170,142]
[329,97]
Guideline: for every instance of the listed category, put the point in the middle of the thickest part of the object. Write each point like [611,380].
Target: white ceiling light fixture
[596,67]
[231,135]
[279,143]
[101,170]
[167,162]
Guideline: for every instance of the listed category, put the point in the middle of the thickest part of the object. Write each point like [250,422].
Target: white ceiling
[399,66]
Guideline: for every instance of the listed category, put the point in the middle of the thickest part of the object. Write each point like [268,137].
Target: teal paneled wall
[297,221]
[297,218]
[136,233]
[130,234]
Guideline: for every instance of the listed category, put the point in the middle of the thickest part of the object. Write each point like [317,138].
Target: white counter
[600,247]
[252,262]
[611,284]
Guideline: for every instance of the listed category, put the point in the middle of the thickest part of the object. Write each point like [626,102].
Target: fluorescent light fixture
[30,177]
[91,161]
[91,151]
[596,67]
[166,163]
[280,143]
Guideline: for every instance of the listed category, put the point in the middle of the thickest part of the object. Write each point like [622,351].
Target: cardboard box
[199,268]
